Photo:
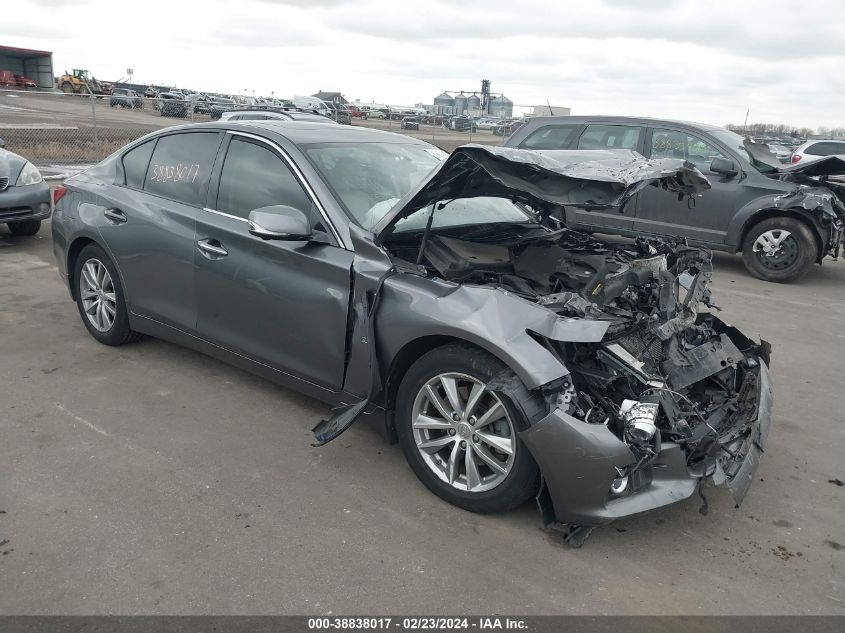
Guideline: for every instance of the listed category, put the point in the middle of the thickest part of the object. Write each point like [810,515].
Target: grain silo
[460,103]
[444,104]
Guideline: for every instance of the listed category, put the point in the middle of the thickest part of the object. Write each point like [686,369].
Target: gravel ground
[151,479]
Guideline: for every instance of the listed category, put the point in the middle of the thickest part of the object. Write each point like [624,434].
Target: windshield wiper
[440,206]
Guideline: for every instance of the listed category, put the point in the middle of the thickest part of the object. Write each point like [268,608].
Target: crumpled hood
[827,166]
[811,195]
[605,178]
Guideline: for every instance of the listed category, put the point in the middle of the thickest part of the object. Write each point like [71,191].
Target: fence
[63,133]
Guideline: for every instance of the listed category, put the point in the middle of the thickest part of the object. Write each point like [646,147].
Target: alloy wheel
[96,289]
[463,432]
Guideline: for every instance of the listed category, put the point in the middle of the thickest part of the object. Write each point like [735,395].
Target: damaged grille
[643,345]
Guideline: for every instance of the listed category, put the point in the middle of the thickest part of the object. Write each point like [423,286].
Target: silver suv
[814,150]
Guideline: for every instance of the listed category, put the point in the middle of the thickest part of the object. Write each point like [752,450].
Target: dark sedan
[125,98]
[510,356]
[173,104]
[24,196]
[410,123]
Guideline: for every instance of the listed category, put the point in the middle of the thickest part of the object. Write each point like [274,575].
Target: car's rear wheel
[780,249]
[100,297]
[25,228]
[460,436]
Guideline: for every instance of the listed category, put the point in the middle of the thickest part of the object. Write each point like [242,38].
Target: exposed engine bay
[633,390]
[663,372]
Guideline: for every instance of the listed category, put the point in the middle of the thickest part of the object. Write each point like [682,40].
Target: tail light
[59,193]
[795,158]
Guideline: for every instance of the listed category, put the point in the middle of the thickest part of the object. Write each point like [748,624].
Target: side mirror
[723,166]
[280,222]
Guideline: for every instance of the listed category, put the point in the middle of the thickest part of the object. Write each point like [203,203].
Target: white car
[486,124]
[813,150]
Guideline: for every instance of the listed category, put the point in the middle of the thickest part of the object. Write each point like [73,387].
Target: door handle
[213,248]
[115,216]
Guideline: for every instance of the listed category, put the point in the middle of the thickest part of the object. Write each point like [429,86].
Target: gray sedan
[24,196]
[443,296]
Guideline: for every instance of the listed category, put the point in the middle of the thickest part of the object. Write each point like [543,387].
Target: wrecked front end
[819,191]
[659,395]
[643,393]
[670,397]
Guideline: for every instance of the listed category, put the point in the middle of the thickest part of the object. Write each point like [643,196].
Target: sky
[684,59]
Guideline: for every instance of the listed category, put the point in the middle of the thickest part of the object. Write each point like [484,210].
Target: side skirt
[168,333]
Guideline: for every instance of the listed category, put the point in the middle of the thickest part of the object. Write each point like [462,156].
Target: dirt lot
[151,479]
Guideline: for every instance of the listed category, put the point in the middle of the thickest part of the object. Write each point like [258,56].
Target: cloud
[684,59]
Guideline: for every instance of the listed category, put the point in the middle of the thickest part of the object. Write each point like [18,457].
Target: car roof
[624,119]
[304,132]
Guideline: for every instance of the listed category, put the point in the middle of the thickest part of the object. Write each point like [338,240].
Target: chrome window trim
[225,215]
[299,176]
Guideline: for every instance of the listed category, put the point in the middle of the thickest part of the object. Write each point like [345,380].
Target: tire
[118,331]
[67,88]
[495,491]
[793,257]
[25,228]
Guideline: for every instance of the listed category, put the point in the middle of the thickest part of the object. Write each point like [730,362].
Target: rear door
[704,218]
[149,221]
[607,136]
[281,303]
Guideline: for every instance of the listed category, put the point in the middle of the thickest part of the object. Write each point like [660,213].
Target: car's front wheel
[25,228]
[458,430]
[780,249]
[100,297]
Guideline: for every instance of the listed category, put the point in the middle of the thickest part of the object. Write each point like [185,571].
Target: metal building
[501,106]
[444,104]
[37,65]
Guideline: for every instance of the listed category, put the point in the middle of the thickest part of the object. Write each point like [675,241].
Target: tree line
[784,130]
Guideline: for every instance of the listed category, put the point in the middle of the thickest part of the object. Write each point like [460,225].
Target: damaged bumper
[580,463]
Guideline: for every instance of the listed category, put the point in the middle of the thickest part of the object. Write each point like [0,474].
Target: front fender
[771,204]
[497,321]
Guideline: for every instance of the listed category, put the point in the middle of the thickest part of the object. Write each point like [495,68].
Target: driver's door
[281,303]
[704,218]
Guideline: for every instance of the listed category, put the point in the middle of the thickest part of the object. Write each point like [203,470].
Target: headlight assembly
[29,175]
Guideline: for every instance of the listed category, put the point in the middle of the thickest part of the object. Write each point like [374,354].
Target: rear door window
[181,165]
[550,137]
[825,148]
[610,137]
[135,163]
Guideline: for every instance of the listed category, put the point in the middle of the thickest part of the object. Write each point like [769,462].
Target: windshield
[369,178]
[735,142]
[464,212]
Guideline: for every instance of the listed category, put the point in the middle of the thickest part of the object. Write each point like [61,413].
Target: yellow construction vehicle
[80,82]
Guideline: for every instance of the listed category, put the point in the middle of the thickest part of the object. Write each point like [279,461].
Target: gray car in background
[782,218]
[24,196]
[291,114]
[511,357]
